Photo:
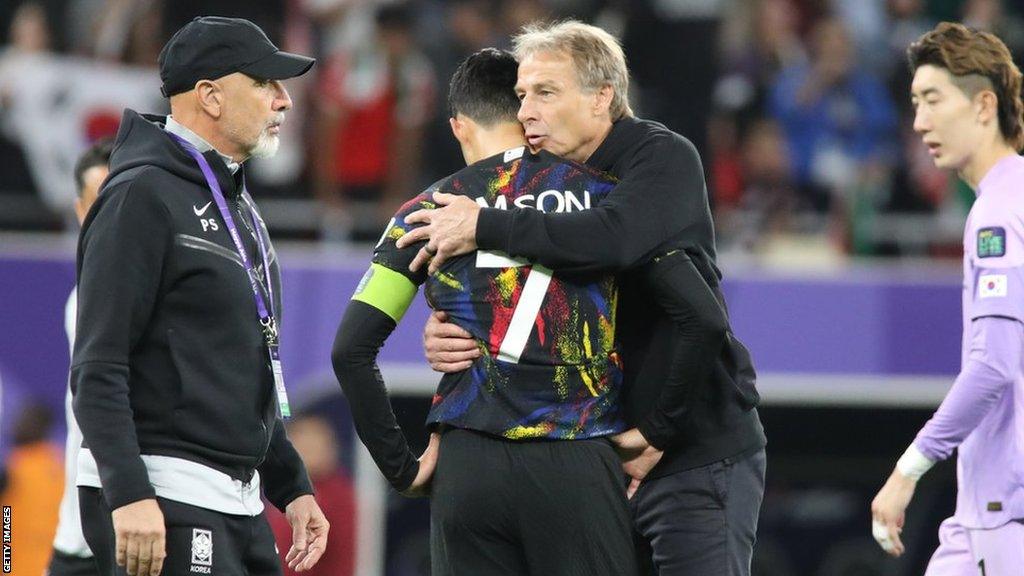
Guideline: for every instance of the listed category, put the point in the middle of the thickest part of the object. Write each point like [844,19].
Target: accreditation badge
[282,393]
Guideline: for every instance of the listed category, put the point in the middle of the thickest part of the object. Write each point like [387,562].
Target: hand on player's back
[449,230]
[447,346]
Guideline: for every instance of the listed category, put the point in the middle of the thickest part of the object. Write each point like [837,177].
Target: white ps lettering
[209,224]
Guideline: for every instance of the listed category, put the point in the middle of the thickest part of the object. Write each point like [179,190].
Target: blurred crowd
[799,108]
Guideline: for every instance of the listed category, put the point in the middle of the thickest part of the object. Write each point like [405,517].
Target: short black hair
[483,88]
[96,155]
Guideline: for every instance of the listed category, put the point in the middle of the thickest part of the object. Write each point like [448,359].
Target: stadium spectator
[838,119]
[764,200]
[317,443]
[71,553]
[176,377]
[692,396]
[994,16]
[374,102]
[29,34]
[34,485]
[30,29]
[129,32]
[759,39]
[668,57]
[469,25]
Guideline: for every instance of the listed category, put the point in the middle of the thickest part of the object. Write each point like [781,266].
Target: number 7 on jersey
[527,308]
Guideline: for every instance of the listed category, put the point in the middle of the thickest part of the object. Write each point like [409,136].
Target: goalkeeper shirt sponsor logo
[992,242]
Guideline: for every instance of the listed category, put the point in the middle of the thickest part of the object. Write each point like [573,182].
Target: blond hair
[596,56]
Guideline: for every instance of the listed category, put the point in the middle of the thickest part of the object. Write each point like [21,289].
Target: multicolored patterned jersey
[550,367]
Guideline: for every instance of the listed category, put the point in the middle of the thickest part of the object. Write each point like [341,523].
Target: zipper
[266,448]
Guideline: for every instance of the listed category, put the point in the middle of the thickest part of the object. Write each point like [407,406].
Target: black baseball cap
[210,47]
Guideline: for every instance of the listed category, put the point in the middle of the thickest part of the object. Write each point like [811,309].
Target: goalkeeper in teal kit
[522,477]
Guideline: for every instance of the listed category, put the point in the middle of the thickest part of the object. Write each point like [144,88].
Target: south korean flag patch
[992,286]
[992,242]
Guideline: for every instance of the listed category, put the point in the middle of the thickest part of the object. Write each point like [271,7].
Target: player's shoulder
[1002,195]
[997,217]
[467,180]
[544,160]
[422,201]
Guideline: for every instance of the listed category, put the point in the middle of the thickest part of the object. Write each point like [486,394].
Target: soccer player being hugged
[527,481]
[967,100]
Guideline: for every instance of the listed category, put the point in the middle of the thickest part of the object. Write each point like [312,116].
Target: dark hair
[483,88]
[96,155]
[977,61]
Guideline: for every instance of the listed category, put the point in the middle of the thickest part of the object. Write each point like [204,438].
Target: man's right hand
[425,475]
[140,537]
[888,512]
[447,346]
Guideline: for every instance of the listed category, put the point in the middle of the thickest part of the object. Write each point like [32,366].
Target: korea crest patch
[992,242]
[202,547]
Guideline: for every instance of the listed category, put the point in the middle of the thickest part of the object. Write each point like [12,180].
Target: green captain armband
[386,290]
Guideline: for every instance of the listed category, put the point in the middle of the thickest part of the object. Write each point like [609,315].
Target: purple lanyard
[267,319]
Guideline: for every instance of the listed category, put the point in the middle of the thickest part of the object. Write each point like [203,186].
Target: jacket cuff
[403,482]
[282,498]
[493,227]
[123,487]
[658,431]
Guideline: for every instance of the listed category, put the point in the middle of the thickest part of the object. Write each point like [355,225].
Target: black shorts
[544,508]
[199,541]
[62,564]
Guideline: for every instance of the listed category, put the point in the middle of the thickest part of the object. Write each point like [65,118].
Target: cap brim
[279,66]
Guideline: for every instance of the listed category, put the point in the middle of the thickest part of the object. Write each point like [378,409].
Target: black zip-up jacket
[170,357]
[689,381]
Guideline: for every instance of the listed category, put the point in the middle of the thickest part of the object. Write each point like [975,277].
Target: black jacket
[690,382]
[170,358]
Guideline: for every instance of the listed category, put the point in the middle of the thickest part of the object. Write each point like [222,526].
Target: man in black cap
[176,374]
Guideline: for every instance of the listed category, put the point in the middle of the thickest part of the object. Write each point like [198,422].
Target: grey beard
[266,146]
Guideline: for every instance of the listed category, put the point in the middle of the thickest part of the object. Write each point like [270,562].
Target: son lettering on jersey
[547,201]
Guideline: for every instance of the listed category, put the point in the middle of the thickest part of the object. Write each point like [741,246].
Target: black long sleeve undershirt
[360,336]
[699,331]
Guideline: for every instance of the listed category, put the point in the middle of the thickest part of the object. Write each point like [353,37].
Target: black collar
[620,138]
